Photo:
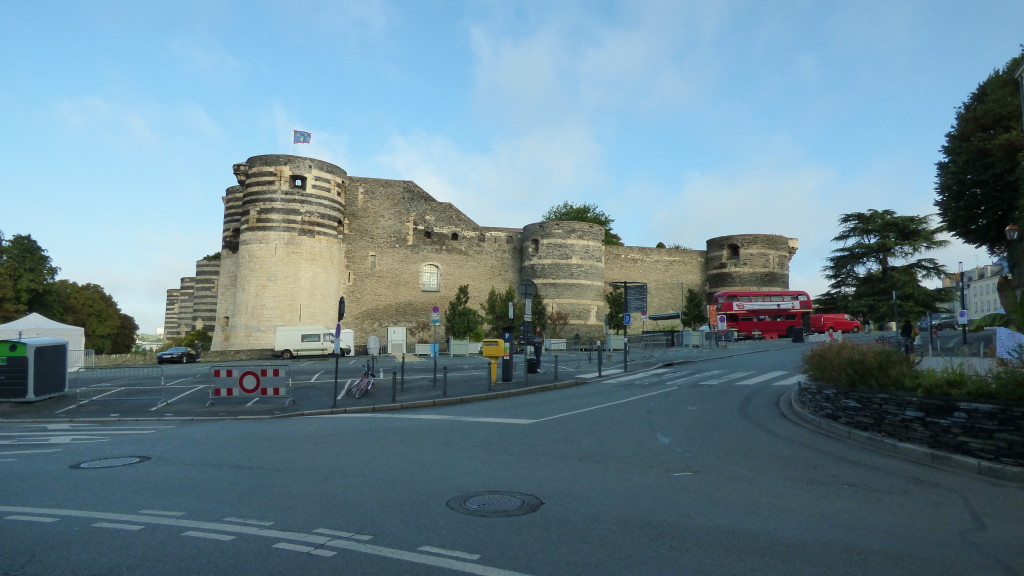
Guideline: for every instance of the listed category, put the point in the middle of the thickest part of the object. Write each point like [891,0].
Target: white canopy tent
[36,326]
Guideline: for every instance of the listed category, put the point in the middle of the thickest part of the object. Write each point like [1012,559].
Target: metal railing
[120,383]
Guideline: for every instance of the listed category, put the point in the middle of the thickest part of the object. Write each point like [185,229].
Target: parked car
[820,323]
[179,354]
[939,322]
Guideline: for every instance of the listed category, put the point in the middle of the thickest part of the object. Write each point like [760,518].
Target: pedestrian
[831,335]
[538,346]
[907,333]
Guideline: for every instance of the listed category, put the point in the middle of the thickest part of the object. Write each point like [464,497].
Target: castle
[299,233]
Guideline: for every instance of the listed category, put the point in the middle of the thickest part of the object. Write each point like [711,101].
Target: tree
[616,301]
[461,320]
[979,180]
[495,311]
[107,329]
[557,321]
[584,213]
[695,311]
[26,276]
[197,336]
[877,259]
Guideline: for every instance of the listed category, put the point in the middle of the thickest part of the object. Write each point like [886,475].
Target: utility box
[33,369]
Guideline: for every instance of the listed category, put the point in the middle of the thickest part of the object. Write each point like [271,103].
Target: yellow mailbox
[493,348]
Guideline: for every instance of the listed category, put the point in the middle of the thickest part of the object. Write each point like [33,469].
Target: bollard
[394,385]
[600,352]
[402,385]
[444,383]
[556,368]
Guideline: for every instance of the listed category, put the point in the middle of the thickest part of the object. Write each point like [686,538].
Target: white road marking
[603,373]
[29,451]
[629,377]
[118,526]
[208,535]
[249,521]
[760,378]
[453,553]
[789,381]
[725,378]
[306,549]
[352,535]
[182,395]
[315,540]
[606,405]
[433,417]
[161,513]
[31,518]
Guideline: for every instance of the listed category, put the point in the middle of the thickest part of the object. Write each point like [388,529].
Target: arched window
[733,252]
[455,235]
[430,278]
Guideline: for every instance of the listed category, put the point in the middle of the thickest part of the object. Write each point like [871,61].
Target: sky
[681,120]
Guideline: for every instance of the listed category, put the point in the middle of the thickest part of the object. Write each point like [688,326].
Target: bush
[875,367]
[852,365]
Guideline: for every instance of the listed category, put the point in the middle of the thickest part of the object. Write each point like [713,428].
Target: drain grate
[495,504]
[110,462]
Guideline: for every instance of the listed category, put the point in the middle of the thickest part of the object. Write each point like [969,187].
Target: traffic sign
[252,378]
[961,317]
[626,319]
[721,322]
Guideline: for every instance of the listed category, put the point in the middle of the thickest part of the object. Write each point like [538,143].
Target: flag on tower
[301,137]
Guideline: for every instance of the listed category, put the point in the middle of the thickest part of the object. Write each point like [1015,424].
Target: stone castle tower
[299,233]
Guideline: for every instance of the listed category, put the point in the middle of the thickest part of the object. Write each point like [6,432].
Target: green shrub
[851,365]
[875,367]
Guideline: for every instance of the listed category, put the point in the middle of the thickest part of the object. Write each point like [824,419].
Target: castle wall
[566,260]
[395,229]
[668,272]
[299,232]
[749,262]
[288,261]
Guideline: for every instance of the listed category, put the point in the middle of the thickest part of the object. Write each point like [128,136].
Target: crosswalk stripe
[789,381]
[761,378]
[726,378]
[630,377]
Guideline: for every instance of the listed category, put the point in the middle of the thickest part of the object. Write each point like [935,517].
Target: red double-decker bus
[764,313]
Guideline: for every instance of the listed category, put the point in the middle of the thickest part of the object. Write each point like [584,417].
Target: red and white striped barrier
[249,381]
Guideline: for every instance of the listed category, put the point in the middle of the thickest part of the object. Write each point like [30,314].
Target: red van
[820,323]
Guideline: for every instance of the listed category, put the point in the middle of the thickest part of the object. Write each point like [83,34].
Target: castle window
[455,235]
[427,234]
[534,246]
[298,182]
[733,252]
[430,278]
[373,262]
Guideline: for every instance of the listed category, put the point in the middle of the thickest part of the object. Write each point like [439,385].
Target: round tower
[282,237]
[748,262]
[566,261]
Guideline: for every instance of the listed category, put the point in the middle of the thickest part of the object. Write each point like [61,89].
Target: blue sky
[682,120]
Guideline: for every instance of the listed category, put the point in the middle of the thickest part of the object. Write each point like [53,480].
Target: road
[688,469]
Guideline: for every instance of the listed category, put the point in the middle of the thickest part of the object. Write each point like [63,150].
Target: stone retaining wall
[986,431]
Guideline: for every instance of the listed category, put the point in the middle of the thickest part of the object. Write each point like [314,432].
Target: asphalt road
[687,469]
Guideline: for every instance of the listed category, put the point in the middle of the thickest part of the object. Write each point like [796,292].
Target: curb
[945,460]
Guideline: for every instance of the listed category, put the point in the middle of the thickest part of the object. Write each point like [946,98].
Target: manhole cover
[110,462]
[495,504]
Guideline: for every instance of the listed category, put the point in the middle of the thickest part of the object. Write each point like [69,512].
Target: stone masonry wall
[987,431]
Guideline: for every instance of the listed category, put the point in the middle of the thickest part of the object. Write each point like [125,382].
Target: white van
[292,341]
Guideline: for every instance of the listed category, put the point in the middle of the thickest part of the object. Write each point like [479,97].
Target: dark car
[939,322]
[179,354]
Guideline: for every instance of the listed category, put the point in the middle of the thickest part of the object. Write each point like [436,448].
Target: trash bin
[532,365]
[798,334]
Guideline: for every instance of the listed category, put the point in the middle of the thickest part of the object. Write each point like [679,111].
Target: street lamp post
[962,304]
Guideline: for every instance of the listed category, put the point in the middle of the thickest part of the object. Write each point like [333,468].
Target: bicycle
[364,384]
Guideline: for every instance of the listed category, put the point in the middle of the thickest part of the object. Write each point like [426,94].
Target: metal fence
[120,383]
